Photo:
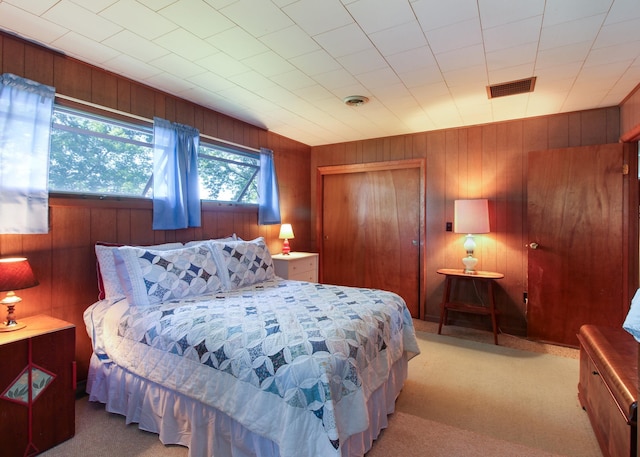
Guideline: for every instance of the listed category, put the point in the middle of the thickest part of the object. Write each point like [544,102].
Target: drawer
[298,266]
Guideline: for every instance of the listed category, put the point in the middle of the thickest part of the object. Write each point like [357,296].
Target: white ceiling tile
[84,22]
[237,43]
[421,76]
[211,82]
[132,68]
[411,60]
[197,17]
[223,65]
[29,25]
[178,84]
[185,44]
[560,11]
[316,17]
[623,10]
[577,31]
[381,78]
[512,56]
[290,42]
[433,15]
[512,34]
[135,46]
[258,17]
[455,36]
[36,7]
[92,5]
[311,54]
[294,80]
[177,66]
[400,38]
[269,64]
[471,57]
[618,33]
[560,55]
[156,5]
[315,62]
[499,12]
[612,54]
[362,61]
[344,40]
[513,73]
[375,15]
[253,81]
[79,47]
[132,15]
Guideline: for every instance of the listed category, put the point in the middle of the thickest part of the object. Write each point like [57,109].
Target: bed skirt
[207,432]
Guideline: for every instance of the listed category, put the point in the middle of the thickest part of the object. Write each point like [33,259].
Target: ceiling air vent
[520,86]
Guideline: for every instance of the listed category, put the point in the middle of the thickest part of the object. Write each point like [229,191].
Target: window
[92,154]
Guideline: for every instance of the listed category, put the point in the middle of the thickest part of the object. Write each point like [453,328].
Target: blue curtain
[176,191]
[268,195]
[26,108]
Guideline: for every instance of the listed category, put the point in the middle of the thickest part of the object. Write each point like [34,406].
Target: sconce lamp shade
[286,232]
[471,216]
[15,274]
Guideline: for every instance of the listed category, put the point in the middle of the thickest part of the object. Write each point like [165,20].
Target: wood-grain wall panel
[64,259]
[488,161]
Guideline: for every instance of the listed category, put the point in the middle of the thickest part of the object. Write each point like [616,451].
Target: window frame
[135,122]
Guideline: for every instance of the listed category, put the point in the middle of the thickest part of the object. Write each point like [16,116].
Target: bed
[202,344]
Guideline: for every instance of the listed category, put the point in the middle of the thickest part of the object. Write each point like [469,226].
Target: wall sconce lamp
[286,233]
[470,217]
[15,274]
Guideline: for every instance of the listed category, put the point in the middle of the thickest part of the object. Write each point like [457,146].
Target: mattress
[296,365]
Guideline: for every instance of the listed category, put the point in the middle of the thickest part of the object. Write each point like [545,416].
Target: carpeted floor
[464,397]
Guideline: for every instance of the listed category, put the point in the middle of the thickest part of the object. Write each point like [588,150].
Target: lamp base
[286,249]
[11,327]
[469,265]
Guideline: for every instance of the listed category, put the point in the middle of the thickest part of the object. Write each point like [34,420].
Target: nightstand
[40,414]
[483,277]
[299,266]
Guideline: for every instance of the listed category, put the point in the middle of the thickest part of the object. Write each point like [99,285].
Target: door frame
[420,164]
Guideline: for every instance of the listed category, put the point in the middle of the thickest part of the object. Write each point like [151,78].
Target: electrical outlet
[449,227]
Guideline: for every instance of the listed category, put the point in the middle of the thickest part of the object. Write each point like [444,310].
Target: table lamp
[471,216]
[286,232]
[15,274]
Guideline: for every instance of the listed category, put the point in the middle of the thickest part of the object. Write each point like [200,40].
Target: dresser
[299,266]
[41,413]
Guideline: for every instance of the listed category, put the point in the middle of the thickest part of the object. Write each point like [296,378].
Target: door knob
[533,245]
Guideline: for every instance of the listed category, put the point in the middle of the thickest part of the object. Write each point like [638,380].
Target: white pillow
[150,276]
[242,263]
[108,282]
[232,237]
[632,322]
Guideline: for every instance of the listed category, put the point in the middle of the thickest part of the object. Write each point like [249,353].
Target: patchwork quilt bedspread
[286,359]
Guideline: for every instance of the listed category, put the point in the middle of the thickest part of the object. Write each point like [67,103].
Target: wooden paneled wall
[488,161]
[64,259]
[630,116]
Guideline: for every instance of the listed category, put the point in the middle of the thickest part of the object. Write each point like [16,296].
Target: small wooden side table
[486,277]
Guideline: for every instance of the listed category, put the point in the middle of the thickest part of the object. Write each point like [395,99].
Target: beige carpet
[462,398]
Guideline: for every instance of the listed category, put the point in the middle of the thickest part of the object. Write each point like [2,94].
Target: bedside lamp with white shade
[471,217]
[286,233]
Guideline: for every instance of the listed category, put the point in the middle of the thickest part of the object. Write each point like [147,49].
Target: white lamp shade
[471,216]
[286,232]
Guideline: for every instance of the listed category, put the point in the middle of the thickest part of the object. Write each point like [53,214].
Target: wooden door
[578,241]
[371,231]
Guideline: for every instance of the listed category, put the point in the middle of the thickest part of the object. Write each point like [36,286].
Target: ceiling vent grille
[520,86]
